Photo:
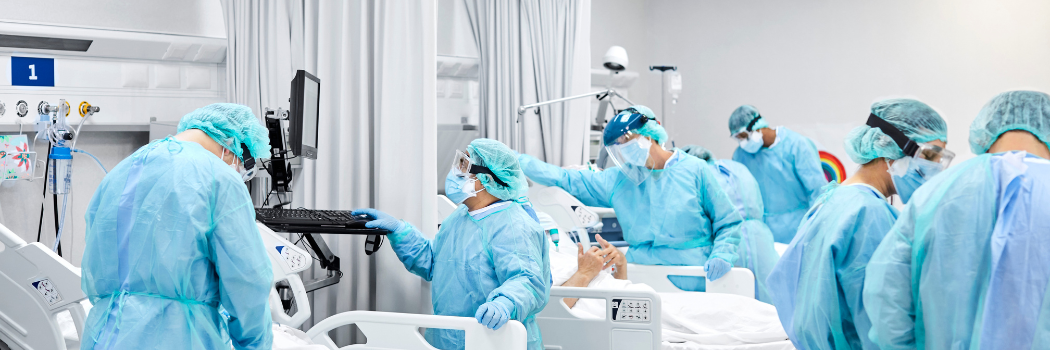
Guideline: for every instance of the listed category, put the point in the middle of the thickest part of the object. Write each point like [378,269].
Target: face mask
[459,186]
[909,173]
[753,143]
[636,152]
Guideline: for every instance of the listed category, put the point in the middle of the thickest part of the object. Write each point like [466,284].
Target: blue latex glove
[716,268]
[493,314]
[381,220]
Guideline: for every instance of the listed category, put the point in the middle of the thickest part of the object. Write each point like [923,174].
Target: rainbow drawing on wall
[833,169]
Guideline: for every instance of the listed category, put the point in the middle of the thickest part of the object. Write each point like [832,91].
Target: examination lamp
[615,59]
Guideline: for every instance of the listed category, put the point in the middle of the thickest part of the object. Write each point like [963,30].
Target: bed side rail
[738,281]
[390,330]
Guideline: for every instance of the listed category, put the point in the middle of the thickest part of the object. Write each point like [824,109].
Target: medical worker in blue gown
[755,251]
[817,284]
[489,258]
[785,164]
[171,238]
[671,208]
[967,265]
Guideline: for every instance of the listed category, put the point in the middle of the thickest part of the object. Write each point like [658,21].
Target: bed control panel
[631,310]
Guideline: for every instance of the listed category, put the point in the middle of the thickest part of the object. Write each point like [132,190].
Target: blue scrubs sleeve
[244,271]
[591,188]
[725,219]
[415,251]
[520,260]
[888,288]
[808,169]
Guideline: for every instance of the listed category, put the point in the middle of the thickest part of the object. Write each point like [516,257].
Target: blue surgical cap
[699,152]
[653,130]
[915,119]
[743,116]
[1013,110]
[230,125]
[503,162]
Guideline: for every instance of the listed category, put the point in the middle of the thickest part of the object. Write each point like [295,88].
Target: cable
[40,225]
[93,157]
[61,225]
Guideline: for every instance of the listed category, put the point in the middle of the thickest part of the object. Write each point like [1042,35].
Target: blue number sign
[32,71]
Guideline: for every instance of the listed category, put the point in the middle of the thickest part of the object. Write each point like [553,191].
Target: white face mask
[753,143]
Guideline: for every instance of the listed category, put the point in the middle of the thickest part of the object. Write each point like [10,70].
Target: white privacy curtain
[377,131]
[533,51]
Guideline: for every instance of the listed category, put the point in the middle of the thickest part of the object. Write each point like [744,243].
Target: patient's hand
[589,264]
[613,257]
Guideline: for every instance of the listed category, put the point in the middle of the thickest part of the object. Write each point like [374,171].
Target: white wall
[186,17]
[816,66]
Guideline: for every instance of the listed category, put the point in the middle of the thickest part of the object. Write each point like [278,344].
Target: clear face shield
[630,153]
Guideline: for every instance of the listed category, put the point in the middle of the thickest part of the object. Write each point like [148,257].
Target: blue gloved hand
[493,314]
[380,220]
[716,268]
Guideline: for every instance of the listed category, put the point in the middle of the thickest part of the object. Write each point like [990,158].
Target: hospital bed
[383,330]
[39,287]
[640,326]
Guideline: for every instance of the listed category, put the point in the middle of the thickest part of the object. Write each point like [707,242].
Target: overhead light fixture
[615,59]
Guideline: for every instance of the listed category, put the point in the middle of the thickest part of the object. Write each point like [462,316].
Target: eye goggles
[919,150]
[462,164]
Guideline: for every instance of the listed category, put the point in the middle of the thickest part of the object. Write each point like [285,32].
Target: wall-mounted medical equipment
[53,126]
[616,61]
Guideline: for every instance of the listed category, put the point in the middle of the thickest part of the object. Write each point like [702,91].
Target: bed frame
[37,285]
[564,331]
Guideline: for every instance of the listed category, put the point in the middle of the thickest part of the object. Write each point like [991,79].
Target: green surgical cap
[230,125]
[917,120]
[1014,110]
[503,162]
[743,116]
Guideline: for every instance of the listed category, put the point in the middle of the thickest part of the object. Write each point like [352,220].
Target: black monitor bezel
[295,115]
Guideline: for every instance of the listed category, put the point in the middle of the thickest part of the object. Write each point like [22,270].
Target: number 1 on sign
[32,72]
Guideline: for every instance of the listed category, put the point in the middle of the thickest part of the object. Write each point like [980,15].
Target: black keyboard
[315,221]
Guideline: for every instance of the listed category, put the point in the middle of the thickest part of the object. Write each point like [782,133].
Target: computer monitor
[303,114]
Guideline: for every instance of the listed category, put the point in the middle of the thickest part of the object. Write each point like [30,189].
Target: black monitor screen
[303,115]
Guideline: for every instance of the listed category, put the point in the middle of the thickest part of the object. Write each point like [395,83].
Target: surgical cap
[915,119]
[699,152]
[653,130]
[743,116]
[503,162]
[1014,110]
[230,125]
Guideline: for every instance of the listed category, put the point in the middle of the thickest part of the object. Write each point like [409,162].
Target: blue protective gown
[679,216]
[756,251]
[473,259]
[790,176]
[967,265]
[170,237]
[818,283]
